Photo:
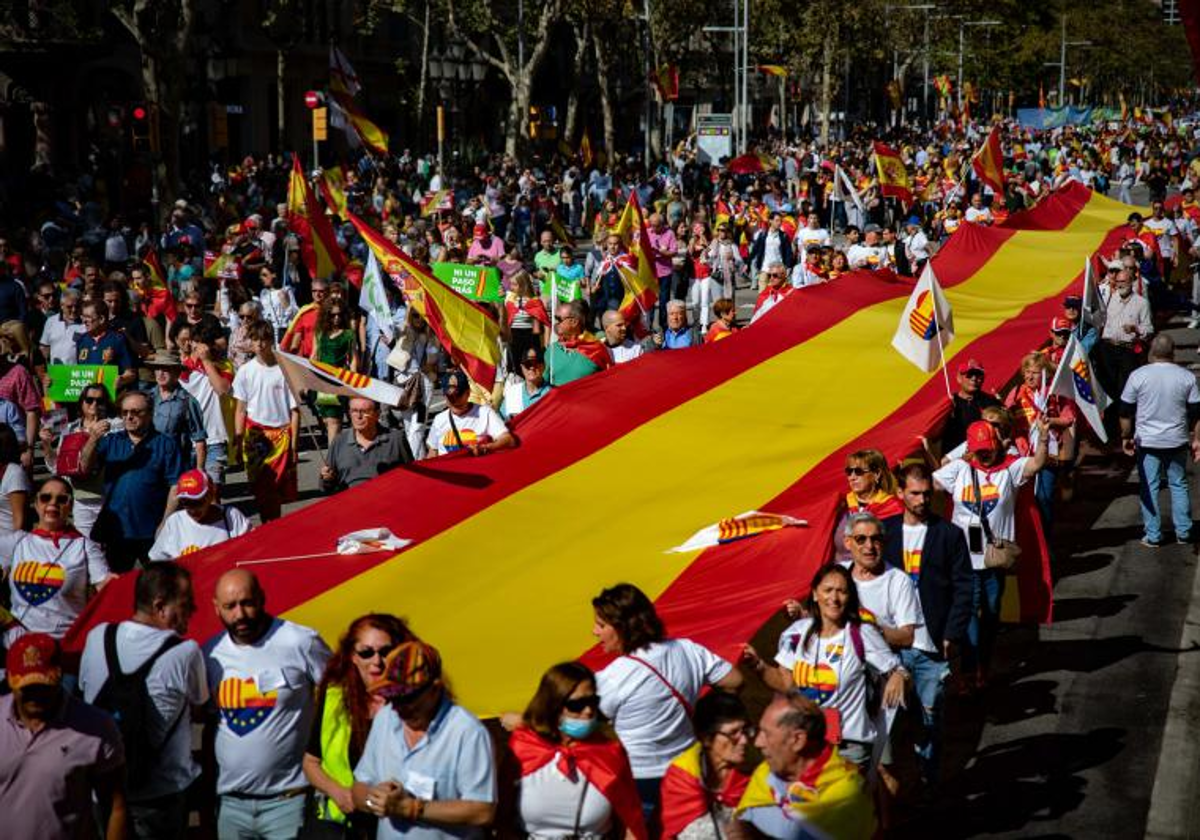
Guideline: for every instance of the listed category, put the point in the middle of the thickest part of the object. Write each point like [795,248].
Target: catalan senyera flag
[161,301]
[577,445]
[310,375]
[318,245]
[926,325]
[469,333]
[333,189]
[641,284]
[893,174]
[367,132]
[1076,380]
[988,162]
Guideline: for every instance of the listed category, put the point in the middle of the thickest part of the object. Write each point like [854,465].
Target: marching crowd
[367,739]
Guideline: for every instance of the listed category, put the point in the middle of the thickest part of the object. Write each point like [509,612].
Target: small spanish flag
[893,175]
[988,162]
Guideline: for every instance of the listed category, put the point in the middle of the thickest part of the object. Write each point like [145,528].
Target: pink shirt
[493,251]
[665,245]
[18,387]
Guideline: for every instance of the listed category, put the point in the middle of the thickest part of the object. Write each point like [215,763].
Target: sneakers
[1149,543]
[1193,324]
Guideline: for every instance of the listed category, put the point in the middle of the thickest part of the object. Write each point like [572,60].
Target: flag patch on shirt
[243,708]
[36,582]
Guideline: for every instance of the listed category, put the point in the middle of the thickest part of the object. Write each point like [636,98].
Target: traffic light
[139,126]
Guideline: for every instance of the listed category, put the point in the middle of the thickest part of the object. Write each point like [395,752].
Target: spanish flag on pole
[988,162]
[641,283]
[318,245]
[333,188]
[893,175]
[469,333]
[159,297]
[354,120]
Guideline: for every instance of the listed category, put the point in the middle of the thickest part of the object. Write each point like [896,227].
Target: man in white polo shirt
[162,769]
[262,674]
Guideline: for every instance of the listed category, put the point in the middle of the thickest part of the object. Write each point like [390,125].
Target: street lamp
[1061,64]
[918,7]
[451,70]
[962,28]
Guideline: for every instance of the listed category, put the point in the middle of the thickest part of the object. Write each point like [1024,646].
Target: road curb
[1174,806]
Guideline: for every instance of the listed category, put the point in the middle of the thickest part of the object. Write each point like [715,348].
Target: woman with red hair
[345,709]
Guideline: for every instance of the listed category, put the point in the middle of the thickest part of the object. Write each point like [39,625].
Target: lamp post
[1061,64]
[452,71]
[919,7]
[962,28]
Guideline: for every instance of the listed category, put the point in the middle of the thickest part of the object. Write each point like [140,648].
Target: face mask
[578,728]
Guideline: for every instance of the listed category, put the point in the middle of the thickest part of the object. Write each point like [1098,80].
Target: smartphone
[975,539]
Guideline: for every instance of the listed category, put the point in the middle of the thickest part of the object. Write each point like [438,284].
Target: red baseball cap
[33,659]
[480,231]
[981,437]
[968,366]
[192,486]
[1060,324]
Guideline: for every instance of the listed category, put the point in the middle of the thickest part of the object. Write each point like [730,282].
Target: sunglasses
[57,498]
[857,471]
[92,400]
[577,705]
[371,653]
[745,731]
[133,412]
[862,539]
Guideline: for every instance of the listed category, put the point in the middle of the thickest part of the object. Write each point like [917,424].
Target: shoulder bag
[997,553]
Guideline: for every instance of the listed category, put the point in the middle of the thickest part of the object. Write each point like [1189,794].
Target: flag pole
[937,329]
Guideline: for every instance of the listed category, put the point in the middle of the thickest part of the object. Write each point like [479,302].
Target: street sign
[714,137]
[312,98]
[320,123]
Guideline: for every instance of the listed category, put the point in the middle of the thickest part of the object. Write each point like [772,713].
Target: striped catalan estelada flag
[310,375]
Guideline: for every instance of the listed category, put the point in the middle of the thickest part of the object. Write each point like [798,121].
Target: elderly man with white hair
[678,334]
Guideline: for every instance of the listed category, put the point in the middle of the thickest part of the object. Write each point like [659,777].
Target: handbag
[997,553]
[70,450]
[411,393]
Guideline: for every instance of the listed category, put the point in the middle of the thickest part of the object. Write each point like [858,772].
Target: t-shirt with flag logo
[480,421]
[829,671]
[182,535]
[998,490]
[48,579]
[891,601]
[264,698]
[913,544]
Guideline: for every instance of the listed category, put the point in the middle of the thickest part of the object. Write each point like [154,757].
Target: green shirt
[563,365]
[546,261]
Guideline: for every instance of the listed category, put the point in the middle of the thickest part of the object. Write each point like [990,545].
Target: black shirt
[963,413]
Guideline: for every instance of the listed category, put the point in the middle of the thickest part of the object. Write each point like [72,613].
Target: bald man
[262,672]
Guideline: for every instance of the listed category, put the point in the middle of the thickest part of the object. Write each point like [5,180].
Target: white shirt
[867,256]
[197,384]
[1120,311]
[60,338]
[624,352]
[182,535]
[479,420]
[48,579]
[891,600]
[1166,232]
[1162,391]
[264,390]
[917,246]
[998,488]
[175,682]
[549,802]
[15,480]
[808,237]
[829,672]
[913,542]
[264,698]
[653,726]
[278,307]
[979,215]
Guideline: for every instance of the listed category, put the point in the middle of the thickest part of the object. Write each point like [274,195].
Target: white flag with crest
[926,323]
[1076,380]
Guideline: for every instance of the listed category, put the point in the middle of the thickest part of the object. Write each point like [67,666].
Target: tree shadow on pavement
[1010,785]
[1072,566]
[1073,609]
[1083,655]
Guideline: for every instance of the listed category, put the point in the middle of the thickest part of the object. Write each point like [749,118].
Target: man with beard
[262,672]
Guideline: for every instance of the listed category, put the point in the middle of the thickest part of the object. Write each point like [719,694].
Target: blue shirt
[109,349]
[137,480]
[179,416]
[679,339]
[452,761]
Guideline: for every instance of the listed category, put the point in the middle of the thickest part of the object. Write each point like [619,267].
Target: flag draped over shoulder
[637,273]
[988,162]
[310,375]
[1076,380]
[468,332]
[926,314]
[893,175]
[160,300]
[318,245]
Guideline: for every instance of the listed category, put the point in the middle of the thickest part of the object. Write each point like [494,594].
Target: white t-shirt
[479,420]
[15,480]
[891,601]
[49,580]
[652,724]
[913,541]
[197,384]
[808,237]
[999,491]
[269,401]
[1162,392]
[624,352]
[830,673]
[264,698]
[182,535]
[60,338]
[867,256]
[979,215]
[175,682]
[550,804]
[1166,232]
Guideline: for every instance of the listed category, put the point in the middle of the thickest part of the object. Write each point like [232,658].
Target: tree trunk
[281,98]
[518,116]
[604,80]
[827,82]
[424,67]
[583,43]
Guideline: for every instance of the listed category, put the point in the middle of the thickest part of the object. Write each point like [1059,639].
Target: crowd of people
[367,739]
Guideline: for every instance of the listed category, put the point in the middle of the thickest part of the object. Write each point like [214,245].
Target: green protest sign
[68,381]
[562,290]
[477,282]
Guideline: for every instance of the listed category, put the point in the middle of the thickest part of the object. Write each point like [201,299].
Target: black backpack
[126,698]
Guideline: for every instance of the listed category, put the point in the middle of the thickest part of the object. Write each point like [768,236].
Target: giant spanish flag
[613,470]
[318,245]
[988,162]
[893,174]
[468,332]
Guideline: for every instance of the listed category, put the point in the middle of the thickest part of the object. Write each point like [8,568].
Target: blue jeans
[987,592]
[929,679]
[650,792]
[260,819]
[1151,464]
[1043,491]
[216,461]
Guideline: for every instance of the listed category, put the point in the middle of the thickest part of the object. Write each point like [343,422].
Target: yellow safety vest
[335,748]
